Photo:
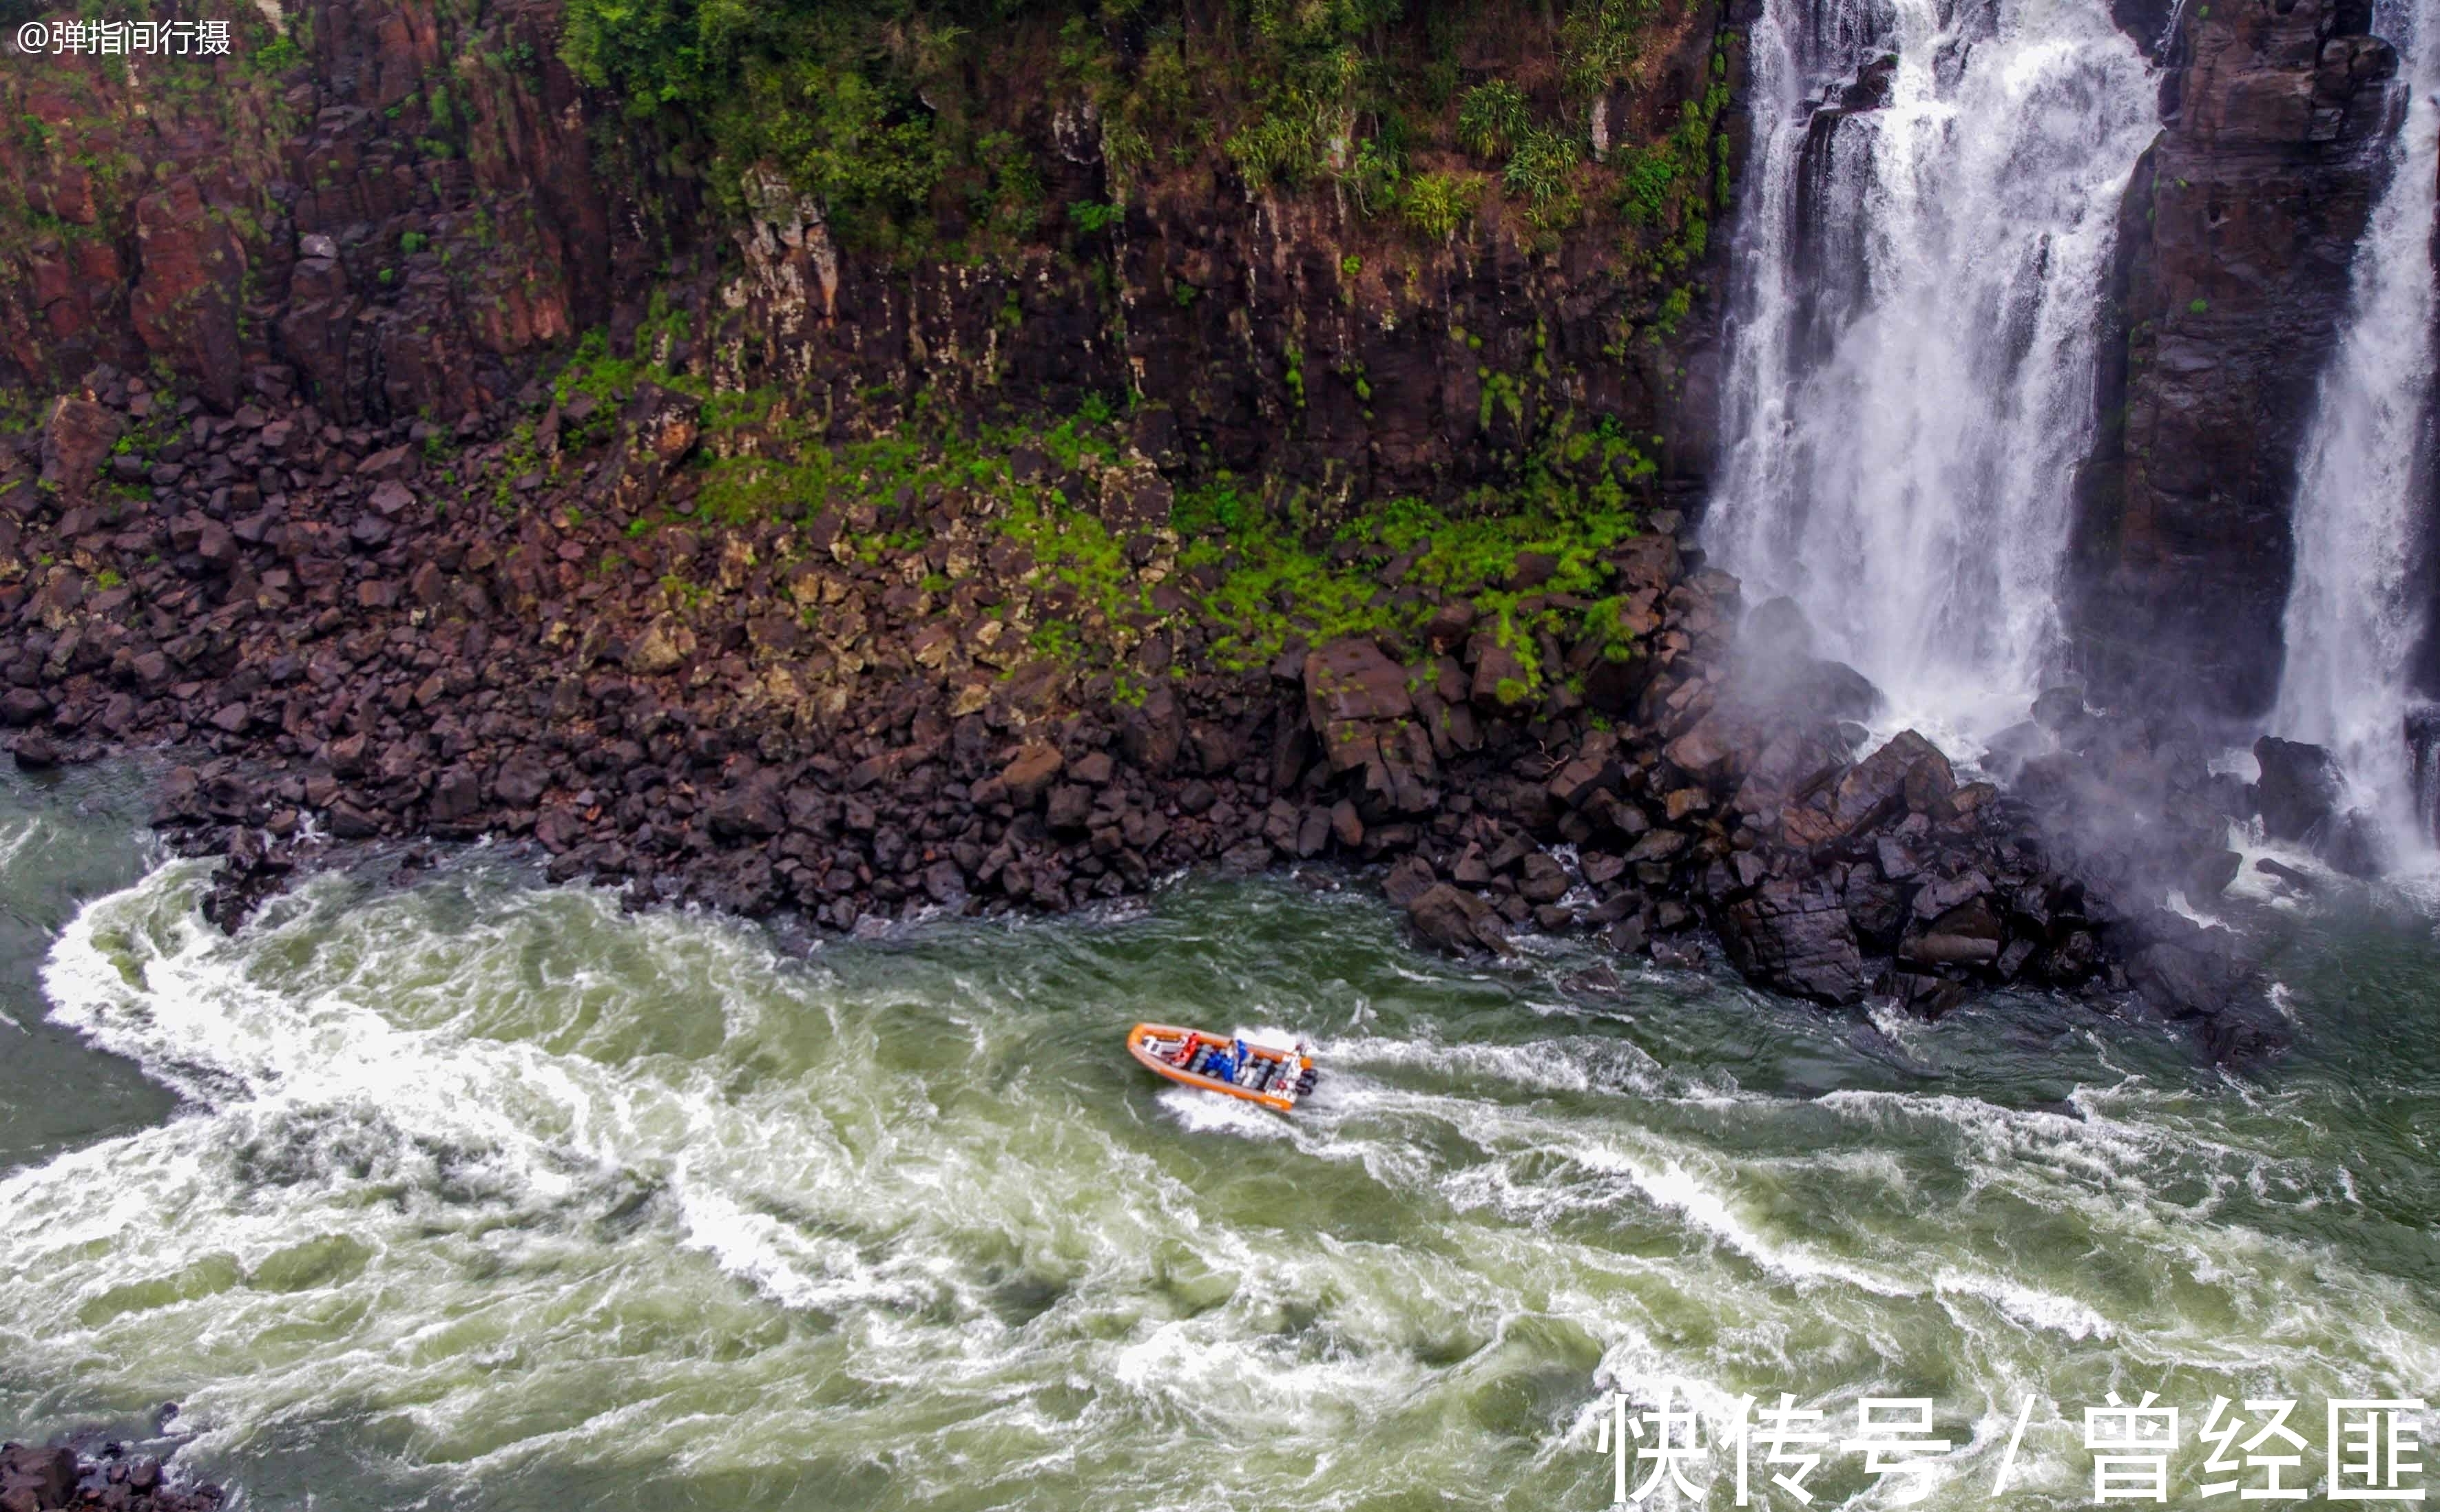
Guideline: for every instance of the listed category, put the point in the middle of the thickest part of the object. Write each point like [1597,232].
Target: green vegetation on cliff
[1257,569]
[921,127]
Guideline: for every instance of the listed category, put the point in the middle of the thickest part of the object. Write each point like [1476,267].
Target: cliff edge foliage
[898,117]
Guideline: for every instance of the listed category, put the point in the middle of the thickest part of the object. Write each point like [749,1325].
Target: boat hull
[1153,1044]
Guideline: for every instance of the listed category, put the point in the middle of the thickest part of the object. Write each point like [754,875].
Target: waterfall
[1932,206]
[2353,615]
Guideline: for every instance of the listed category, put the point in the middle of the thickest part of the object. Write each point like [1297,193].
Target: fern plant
[1491,116]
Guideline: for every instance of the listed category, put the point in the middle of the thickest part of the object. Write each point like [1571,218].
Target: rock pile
[40,1479]
[797,716]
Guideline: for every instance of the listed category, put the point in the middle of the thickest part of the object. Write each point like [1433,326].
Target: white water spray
[2353,619]
[1913,327]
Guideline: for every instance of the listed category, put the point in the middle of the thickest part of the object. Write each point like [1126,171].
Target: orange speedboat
[1217,1062]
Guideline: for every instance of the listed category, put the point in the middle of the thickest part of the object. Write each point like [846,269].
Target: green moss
[1277,583]
[1260,571]
[1500,391]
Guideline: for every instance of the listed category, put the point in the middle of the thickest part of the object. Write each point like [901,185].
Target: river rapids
[476,1193]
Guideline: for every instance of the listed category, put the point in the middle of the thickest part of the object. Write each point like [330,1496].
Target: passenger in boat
[1221,1067]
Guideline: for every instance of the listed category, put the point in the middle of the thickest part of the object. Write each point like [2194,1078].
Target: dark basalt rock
[2234,242]
[2299,789]
[77,435]
[1796,939]
[1455,919]
[2210,875]
[2287,873]
[38,1479]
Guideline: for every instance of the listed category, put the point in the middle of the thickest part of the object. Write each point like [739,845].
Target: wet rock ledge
[1036,679]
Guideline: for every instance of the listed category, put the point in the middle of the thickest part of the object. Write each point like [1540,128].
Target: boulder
[1407,880]
[1135,498]
[665,643]
[1457,920]
[48,1475]
[750,810]
[77,435]
[1795,939]
[944,884]
[1887,782]
[2300,787]
[2210,873]
[1028,777]
[2185,969]
[1070,806]
[2352,843]
[1351,679]
[458,795]
[1585,778]
[1542,879]
[1154,732]
[21,706]
[1501,683]
[1968,934]
[662,427]
[520,782]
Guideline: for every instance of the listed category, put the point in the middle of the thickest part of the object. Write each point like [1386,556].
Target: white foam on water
[1544,1066]
[1217,1113]
[634,1192]
[2030,1306]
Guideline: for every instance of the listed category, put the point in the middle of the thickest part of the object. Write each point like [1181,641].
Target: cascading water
[1913,327]
[2353,616]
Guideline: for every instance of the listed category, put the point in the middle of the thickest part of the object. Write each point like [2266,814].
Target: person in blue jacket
[1223,1066]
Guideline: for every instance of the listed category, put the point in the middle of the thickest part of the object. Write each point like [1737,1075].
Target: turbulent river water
[475,1193]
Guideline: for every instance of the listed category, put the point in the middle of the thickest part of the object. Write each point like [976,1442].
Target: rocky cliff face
[384,209]
[2234,243]
[401,213]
